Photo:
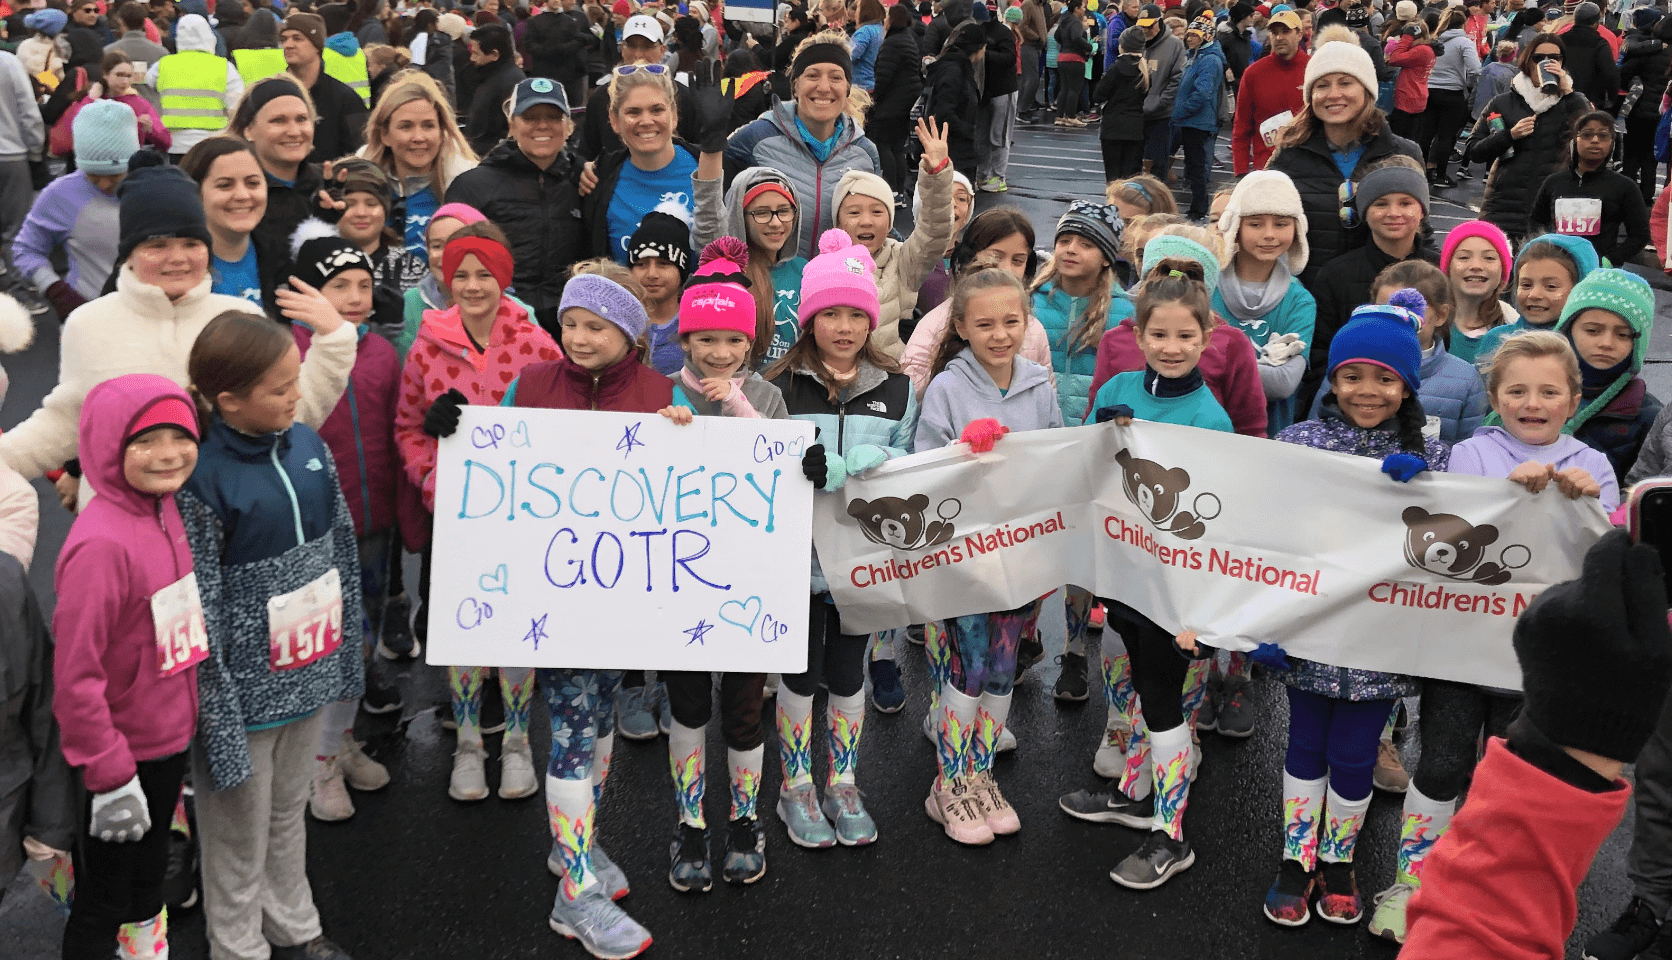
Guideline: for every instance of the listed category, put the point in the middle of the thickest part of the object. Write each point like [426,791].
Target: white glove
[120,816]
[1278,350]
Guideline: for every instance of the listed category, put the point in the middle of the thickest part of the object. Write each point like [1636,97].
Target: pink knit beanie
[842,275]
[716,297]
[1486,231]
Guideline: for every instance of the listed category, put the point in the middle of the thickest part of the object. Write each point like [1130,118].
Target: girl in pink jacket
[130,635]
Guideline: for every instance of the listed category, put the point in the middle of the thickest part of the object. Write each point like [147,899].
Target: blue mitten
[826,473]
[1403,466]
[1271,656]
[866,456]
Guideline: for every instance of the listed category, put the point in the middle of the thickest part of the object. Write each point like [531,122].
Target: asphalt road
[416,876]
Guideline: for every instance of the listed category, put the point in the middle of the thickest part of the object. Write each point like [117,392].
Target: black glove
[443,416]
[1596,653]
[813,465]
[64,299]
[1105,414]
[714,107]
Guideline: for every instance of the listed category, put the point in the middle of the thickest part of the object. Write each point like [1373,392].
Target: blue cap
[1383,334]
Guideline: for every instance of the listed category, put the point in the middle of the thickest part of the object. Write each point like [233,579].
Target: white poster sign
[620,541]
[1245,541]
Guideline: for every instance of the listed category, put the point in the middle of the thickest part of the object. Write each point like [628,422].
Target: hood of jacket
[973,380]
[736,224]
[1453,34]
[194,33]
[230,13]
[107,417]
[261,31]
[343,43]
[1501,440]
[1580,249]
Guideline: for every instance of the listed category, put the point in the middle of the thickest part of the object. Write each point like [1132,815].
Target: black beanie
[319,254]
[662,235]
[157,201]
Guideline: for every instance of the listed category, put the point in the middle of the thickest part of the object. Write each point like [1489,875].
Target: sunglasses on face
[627,69]
[1547,57]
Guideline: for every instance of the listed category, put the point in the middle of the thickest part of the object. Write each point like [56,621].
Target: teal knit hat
[1165,246]
[1578,249]
[1628,297]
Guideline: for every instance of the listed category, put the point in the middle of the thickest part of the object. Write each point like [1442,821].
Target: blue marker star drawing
[697,632]
[536,631]
[629,440]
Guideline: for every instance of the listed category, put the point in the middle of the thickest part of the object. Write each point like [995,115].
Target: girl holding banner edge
[1173,324]
[866,411]
[1336,715]
[982,388]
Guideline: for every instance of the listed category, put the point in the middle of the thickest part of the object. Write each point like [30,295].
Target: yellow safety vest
[352,71]
[192,87]
[256,65]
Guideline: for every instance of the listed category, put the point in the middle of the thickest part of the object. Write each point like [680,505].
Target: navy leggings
[1335,737]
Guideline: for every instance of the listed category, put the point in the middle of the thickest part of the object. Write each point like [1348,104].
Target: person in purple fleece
[128,648]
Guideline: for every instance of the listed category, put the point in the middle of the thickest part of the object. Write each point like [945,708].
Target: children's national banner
[618,541]
[1245,541]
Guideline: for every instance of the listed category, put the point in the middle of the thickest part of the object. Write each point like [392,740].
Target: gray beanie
[1393,179]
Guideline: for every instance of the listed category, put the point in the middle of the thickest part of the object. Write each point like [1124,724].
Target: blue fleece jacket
[73,213]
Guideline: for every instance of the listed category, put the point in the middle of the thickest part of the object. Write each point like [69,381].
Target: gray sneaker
[611,876]
[798,807]
[604,929]
[633,717]
[664,710]
[1236,714]
[1153,863]
[1211,695]
[1111,807]
[845,809]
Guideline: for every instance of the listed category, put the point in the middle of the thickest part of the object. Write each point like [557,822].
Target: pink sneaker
[1000,815]
[959,809]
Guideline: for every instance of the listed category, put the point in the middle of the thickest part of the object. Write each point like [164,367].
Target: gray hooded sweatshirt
[964,392]
[718,216]
[763,396]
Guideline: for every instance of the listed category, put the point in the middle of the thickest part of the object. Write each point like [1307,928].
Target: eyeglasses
[1349,210]
[628,69]
[1595,135]
[785,214]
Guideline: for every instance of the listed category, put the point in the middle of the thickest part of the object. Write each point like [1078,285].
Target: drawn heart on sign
[519,435]
[499,581]
[746,613]
[795,448]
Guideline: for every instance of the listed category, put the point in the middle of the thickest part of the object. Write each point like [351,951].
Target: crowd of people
[289,245]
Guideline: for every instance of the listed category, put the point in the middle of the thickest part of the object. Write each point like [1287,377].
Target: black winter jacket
[1519,167]
[784,53]
[1342,285]
[1645,58]
[595,206]
[1311,166]
[1122,99]
[540,212]
[899,76]
[599,138]
[287,207]
[341,127]
[485,123]
[1239,52]
[954,101]
[558,45]
[953,12]
[1622,208]
[1002,78]
[1590,62]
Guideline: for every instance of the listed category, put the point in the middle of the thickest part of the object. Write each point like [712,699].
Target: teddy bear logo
[1449,546]
[904,524]
[1159,491]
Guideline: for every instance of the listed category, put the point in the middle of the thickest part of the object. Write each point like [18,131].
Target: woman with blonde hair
[414,136]
[653,173]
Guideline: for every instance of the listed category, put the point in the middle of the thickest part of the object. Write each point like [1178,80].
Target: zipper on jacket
[841,424]
[360,454]
[295,505]
[595,379]
[173,554]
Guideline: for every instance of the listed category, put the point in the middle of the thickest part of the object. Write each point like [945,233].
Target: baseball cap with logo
[643,26]
[538,90]
[1287,18]
[1148,15]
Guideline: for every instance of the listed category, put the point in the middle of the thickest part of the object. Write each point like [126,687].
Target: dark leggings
[1638,153]
[833,657]
[117,883]
[1158,668]
[890,137]
[1407,125]
[1338,738]
[1448,111]
[690,697]
[1122,159]
[1073,80]
[1451,721]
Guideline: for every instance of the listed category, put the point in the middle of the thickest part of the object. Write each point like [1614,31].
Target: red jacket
[1657,227]
[1503,882]
[1268,87]
[627,387]
[1477,29]
[443,357]
[1415,62]
[361,431]
[1229,366]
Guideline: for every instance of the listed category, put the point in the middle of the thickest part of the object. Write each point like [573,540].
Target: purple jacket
[1492,452]
[361,431]
[112,702]
[1334,432]
[81,217]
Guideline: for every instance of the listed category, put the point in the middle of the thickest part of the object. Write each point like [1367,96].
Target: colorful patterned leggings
[582,705]
[981,648]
